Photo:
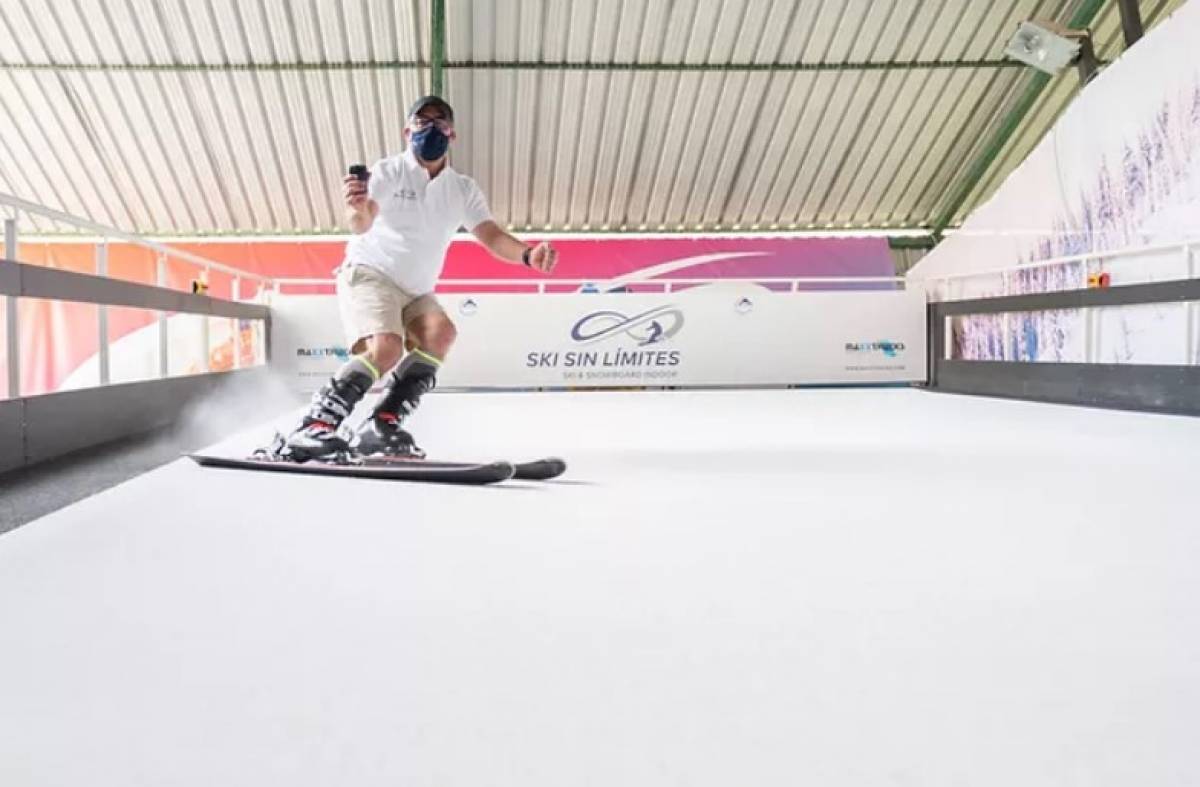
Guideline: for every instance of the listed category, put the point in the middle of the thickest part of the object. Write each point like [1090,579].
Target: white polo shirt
[418,216]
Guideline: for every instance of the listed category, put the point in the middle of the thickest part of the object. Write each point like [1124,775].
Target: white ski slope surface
[829,587]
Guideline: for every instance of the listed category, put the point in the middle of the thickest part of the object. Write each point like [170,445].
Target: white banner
[720,334]
[1120,169]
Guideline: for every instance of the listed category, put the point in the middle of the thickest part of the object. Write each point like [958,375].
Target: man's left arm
[504,246]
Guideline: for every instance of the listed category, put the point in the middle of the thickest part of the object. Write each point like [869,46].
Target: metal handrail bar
[1134,251]
[602,283]
[22,280]
[100,229]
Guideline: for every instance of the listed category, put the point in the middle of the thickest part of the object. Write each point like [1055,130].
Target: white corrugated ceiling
[240,116]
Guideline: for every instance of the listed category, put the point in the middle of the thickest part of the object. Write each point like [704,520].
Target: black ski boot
[317,436]
[383,432]
[382,435]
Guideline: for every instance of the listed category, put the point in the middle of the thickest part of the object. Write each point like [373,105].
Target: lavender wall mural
[1120,170]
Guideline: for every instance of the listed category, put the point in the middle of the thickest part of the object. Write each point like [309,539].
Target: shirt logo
[408,194]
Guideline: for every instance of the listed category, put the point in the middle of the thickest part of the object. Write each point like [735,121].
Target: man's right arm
[361,210]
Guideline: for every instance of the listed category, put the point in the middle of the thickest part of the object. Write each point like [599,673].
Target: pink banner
[600,259]
[57,338]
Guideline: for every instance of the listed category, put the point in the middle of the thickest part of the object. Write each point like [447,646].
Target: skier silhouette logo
[649,327]
[656,332]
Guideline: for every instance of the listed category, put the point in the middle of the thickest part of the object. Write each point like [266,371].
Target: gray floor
[33,492]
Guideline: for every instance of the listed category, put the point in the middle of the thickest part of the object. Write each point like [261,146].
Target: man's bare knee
[444,337]
[434,334]
[384,350]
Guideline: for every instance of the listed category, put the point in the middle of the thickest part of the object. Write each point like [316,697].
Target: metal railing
[1189,264]
[556,286]
[1156,386]
[1184,247]
[20,280]
[25,206]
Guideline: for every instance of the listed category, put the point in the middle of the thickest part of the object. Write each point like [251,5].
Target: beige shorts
[372,303]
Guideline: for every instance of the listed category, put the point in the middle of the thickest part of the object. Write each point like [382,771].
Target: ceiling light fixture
[1049,47]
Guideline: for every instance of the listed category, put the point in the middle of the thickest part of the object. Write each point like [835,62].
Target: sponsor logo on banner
[315,363]
[341,353]
[627,347]
[888,349]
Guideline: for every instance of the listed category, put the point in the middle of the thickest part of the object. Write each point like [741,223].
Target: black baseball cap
[432,101]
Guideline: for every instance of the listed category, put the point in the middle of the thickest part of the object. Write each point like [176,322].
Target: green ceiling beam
[883,65]
[1012,121]
[991,151]
[516,65]
[437,48]
[908,242]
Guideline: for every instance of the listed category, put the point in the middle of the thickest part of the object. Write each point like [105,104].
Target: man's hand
[354,191]
[361,209]
[543,258]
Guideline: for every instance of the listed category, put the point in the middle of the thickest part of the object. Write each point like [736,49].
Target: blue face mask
[430,143]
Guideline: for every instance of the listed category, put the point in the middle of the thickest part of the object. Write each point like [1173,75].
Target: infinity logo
[649,327]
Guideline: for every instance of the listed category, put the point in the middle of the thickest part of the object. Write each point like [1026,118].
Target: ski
[352,466]
[277,457]
[541,469]
[537,470]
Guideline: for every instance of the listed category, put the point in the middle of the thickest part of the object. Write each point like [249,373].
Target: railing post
[1006,324]
[1091,339]
[12,329]
[1191,351]
[205,338]
[935,341]
[164,366]
[102,314]
[236,295]
[1087,315]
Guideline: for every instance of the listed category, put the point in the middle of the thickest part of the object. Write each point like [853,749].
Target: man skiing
[403,217]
